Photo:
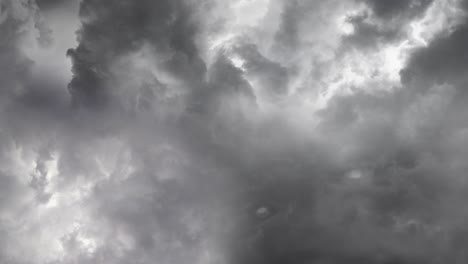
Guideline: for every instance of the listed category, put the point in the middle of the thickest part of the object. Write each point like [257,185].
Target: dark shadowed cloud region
[237,131]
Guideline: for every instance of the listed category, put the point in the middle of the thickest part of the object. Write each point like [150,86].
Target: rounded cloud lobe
[237,131]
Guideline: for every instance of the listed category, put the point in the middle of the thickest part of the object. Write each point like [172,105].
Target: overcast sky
[233,131]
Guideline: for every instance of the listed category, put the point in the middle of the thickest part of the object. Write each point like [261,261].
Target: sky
[233,131]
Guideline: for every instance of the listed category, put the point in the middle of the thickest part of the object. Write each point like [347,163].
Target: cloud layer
[237,131]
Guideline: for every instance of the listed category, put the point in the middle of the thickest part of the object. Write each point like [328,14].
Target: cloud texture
[236,131]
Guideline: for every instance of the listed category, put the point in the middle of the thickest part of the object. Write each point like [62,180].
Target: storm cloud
[238,131]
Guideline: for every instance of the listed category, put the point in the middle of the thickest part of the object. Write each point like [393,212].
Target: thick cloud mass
[237,131]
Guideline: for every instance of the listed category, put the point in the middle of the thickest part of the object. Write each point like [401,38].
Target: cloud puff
[232,132]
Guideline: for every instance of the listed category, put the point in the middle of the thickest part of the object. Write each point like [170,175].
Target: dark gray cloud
[108,34]
[233,132]
[388,10]
[443,61]
[46,4]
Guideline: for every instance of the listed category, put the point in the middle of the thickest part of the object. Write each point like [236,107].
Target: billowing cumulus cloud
[239,131]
